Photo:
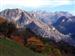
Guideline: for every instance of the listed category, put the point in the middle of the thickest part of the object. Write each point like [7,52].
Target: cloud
[48,5]
[35,3]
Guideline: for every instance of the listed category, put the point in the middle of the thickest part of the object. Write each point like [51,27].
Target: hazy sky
[47,5]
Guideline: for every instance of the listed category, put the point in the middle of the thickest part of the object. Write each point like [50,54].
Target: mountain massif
[39,30]
[22,19]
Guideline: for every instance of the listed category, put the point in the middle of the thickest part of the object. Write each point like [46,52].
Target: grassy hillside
[10,48]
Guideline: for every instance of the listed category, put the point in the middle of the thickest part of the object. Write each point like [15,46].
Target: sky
[44,5]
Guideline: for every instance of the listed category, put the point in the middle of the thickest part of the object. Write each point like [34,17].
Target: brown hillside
[2,20]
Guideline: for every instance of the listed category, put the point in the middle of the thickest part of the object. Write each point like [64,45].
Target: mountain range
[40,24]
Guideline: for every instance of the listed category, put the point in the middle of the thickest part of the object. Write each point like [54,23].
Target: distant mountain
[29,20]
[49,17]
[66,25]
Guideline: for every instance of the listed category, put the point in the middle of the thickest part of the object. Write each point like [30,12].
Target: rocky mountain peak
[25,19]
